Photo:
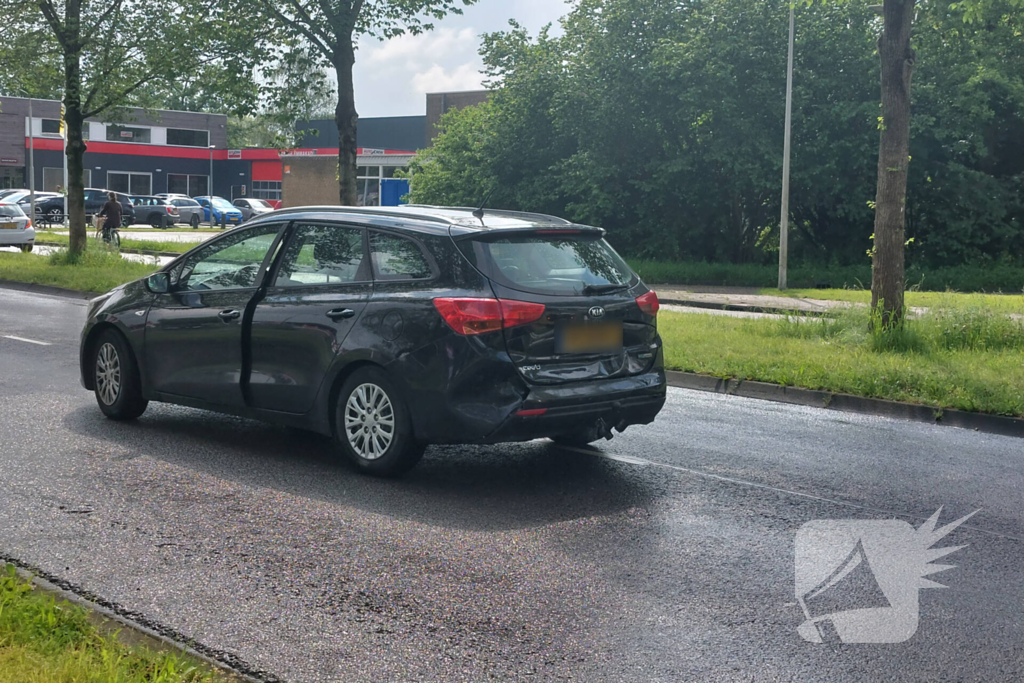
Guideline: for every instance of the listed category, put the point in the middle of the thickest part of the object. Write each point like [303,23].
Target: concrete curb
[915,412]
[48,289]
[742,308]
[136,622]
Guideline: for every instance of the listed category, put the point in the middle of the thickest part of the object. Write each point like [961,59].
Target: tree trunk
[73,121]
[887,278]
[347,120]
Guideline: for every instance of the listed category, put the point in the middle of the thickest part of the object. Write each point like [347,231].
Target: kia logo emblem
[596,312]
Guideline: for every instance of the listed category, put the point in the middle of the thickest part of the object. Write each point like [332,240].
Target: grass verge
[966,358]
[1004,303]
[997,277]
[98,270]
[45,640]
[126,243]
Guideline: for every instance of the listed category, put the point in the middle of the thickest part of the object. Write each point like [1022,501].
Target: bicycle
[111,235]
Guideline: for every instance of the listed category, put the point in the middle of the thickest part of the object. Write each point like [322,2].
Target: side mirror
[158,283]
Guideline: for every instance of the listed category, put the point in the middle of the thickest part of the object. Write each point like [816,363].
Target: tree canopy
[664,123]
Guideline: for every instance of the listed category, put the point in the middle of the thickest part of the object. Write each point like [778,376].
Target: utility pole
[784,224]
[64,140]
[31,160]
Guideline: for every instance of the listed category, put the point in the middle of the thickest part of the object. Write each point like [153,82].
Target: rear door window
[398,258]
[323,255]
[570,265]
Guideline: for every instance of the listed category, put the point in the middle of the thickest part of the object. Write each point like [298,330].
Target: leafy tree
[331,28]
[110,51]
[664,124]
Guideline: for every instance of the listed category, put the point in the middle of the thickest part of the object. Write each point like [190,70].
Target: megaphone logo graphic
[858,580]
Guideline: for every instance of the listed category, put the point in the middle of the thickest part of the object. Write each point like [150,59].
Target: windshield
[11,211]
[577,266]
[221,203]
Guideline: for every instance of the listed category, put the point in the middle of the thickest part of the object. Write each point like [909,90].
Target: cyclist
[112,211]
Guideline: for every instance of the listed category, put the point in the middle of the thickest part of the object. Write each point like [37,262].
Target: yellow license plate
[8,226]
[593,338]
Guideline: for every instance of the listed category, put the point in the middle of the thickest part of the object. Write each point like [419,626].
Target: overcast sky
[393,77]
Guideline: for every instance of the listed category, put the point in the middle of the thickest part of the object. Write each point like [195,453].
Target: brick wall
[309,181]
[438,104]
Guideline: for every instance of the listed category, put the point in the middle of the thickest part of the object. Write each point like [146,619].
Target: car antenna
[479,213]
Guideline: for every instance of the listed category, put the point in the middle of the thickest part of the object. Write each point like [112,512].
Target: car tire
[372,425]
[118,387]
[195,221]
[54,216]
[26,248]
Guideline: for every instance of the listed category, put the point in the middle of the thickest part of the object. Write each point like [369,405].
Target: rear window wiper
[604,289]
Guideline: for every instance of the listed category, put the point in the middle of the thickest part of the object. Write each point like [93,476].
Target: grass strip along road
[964,353]
[42,639]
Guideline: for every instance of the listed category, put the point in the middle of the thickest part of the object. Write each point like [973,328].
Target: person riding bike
[112,211]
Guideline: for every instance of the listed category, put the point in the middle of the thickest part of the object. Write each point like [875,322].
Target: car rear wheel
[26,248]
[372,425]
[118,387]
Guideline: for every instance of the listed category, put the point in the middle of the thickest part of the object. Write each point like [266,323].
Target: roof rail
[365,210]
[528,215]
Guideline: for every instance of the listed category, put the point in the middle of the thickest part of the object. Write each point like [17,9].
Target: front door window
[230,263]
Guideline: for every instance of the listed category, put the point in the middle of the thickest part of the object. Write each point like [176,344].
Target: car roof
[436,219]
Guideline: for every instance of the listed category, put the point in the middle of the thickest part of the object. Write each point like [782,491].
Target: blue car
[221,208]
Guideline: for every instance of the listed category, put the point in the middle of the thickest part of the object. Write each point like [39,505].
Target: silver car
[252,208]
[189,210]
[15,227]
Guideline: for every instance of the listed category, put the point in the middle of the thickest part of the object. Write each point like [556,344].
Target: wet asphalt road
[668,556]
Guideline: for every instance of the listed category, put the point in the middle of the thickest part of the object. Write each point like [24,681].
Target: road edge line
[33,288]
[911,412]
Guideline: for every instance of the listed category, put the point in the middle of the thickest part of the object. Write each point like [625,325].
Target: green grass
[967,358]
[126,243]
[98,270]
[997,277]
[1005,303]
[45,641]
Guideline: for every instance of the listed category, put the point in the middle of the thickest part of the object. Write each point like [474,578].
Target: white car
[16,228]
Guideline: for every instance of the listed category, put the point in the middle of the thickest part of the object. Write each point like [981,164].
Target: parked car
[156,211]
[219,208]
[23,198]
[53,207]
[389,329]
[252,207]
[15,227]
[189,210]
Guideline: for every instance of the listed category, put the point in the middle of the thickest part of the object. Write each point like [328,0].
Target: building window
[368,185]
[53,179]
[130,183]
[128,134]
[188,138]
[189,185]
[266,189]
[50,126]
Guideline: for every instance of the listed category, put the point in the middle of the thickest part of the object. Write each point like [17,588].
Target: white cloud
[438,79]
[412,50]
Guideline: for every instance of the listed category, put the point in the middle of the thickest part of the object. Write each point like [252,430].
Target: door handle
[229,315]
[341,314]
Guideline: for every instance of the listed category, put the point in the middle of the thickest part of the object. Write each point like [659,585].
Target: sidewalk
[747,300]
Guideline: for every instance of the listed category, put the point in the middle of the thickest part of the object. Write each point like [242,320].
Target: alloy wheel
[369,421]
[108,374]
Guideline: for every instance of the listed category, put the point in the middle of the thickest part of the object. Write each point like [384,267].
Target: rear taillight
[29,224]
[649,303]
[478,316]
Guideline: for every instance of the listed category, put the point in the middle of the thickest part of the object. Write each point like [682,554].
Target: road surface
[665,555]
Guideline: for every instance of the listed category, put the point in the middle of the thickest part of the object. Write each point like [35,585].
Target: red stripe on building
[266,170]
[141,150]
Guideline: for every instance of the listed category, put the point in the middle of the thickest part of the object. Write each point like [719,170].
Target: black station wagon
[389,329]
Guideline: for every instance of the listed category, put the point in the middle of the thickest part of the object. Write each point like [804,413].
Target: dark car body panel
[283,359]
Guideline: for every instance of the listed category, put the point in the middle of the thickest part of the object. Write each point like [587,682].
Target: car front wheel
[372,425]
[195,221]
[118,387]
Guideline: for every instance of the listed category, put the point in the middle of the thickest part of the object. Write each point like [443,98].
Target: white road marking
[27,341]
[630,460]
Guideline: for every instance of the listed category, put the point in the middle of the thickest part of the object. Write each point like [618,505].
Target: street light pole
[210,189]
[31,160]
[784,224]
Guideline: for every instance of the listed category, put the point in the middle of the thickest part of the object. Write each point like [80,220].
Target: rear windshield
[11,211]
[579,265]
